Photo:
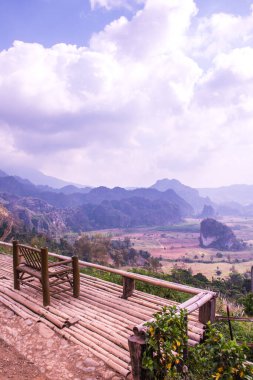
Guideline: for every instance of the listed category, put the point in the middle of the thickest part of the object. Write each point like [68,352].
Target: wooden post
[15,264]
[181,366]
[207,312]
[229,324]
[44,276]
[137,346]
[76,276]
[185,351]
[128,287]
[252,278]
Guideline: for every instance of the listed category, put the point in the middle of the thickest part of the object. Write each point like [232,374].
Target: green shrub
[247,302]
[165,345]
[216,358]
[219,358]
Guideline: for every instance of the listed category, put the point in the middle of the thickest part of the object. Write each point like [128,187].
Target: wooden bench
[30,263]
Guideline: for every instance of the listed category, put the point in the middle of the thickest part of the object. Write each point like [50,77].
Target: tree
[154,264]
[82,248]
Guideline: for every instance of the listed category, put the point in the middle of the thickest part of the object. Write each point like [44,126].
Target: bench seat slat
[31,271]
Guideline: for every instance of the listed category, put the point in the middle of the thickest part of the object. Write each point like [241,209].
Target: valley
[178,245]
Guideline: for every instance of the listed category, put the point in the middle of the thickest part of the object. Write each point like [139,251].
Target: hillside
[124,213]
[6,222]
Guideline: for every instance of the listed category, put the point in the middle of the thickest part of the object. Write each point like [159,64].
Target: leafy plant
[166,344]
[216,358]
[219,358]
[247,302]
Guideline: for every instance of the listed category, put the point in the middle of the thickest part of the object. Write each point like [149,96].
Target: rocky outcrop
[6,222]
[207,212]
[214,234]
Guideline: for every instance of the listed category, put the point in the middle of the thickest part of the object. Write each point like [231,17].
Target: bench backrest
[32,256]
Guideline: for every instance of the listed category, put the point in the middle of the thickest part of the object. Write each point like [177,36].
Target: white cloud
[221,33]
[154,96]
[158,29]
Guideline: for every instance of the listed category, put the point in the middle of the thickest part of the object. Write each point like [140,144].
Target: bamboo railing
[203,301]
[190,306]
[127,275]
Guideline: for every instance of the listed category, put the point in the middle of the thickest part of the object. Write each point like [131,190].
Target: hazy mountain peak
[189,194]
[37,177]
[242,194]
[165,184]
[3,174]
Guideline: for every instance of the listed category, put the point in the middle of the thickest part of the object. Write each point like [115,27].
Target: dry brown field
[179,245]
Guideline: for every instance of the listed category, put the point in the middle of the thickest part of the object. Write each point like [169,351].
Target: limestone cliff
[214,234]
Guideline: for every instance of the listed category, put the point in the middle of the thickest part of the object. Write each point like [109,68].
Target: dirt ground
[14,366]
[32,351]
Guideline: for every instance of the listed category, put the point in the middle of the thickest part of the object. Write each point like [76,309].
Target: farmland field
[179,245]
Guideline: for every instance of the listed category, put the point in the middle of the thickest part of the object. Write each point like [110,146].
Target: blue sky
[73,21]
[208,7]
[123,92]
[53,21]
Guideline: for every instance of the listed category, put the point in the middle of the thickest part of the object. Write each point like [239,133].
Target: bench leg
[45,277]
[46,293]
[76,277]
[15,265]
[16,279]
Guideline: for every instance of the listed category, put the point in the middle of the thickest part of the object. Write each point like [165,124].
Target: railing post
[76,276]
[137,346]
[44,276]
[16,261]
[128,287]
[252,278]
[207,311]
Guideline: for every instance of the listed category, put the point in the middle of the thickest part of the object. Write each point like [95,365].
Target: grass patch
[187,228]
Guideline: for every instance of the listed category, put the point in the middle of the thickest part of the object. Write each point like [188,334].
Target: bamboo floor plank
[103,320]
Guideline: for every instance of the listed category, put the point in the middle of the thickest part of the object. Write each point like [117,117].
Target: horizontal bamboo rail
[239,319]
[5,245]
[189,306]
[129,275]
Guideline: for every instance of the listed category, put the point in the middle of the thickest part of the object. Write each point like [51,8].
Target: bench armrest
[60,263]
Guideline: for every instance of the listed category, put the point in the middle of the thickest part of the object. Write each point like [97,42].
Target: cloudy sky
[124,92]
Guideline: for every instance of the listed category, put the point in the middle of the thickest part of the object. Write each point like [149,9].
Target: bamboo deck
[99,320]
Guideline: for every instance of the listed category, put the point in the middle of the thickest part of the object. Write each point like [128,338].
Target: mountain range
[242,194]
[234,200]
[56,211]
[42,208]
